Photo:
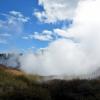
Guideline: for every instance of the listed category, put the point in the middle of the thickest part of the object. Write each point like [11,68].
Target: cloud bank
[65,56]
[56,10]
[43,36]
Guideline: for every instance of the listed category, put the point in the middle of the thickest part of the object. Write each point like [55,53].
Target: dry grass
[11,70]
[14,72]
[15,86]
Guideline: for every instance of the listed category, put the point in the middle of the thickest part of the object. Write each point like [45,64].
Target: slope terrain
[15,85]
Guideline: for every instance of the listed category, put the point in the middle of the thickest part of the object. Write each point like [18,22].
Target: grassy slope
[16,85]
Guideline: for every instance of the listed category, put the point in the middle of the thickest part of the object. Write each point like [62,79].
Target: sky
[21,27]
[57,36]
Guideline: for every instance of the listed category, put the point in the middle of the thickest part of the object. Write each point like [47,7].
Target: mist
[66,56]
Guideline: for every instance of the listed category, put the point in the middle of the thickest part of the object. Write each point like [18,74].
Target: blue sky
[68,31]
[21,28]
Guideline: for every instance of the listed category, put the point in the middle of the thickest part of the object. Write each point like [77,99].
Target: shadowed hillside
[15,85]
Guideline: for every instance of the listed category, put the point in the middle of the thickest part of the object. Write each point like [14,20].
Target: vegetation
[25,87]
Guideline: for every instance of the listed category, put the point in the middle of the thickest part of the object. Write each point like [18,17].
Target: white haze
[64,56]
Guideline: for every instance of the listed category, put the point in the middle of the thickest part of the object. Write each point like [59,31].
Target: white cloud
[20,17]
[56,10]
[64,56]
[62,32]
[44,36]
[47,32]
[13,24]
[86,27]
[5,35]
[25,37]
[61,57]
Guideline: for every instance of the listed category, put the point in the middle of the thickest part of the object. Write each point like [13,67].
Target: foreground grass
[25,87]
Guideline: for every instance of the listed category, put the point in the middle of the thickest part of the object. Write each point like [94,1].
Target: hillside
[15,85]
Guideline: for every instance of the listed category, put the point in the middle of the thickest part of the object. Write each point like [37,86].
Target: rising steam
[68,57]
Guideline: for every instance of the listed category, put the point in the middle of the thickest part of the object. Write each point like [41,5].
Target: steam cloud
[65,56]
